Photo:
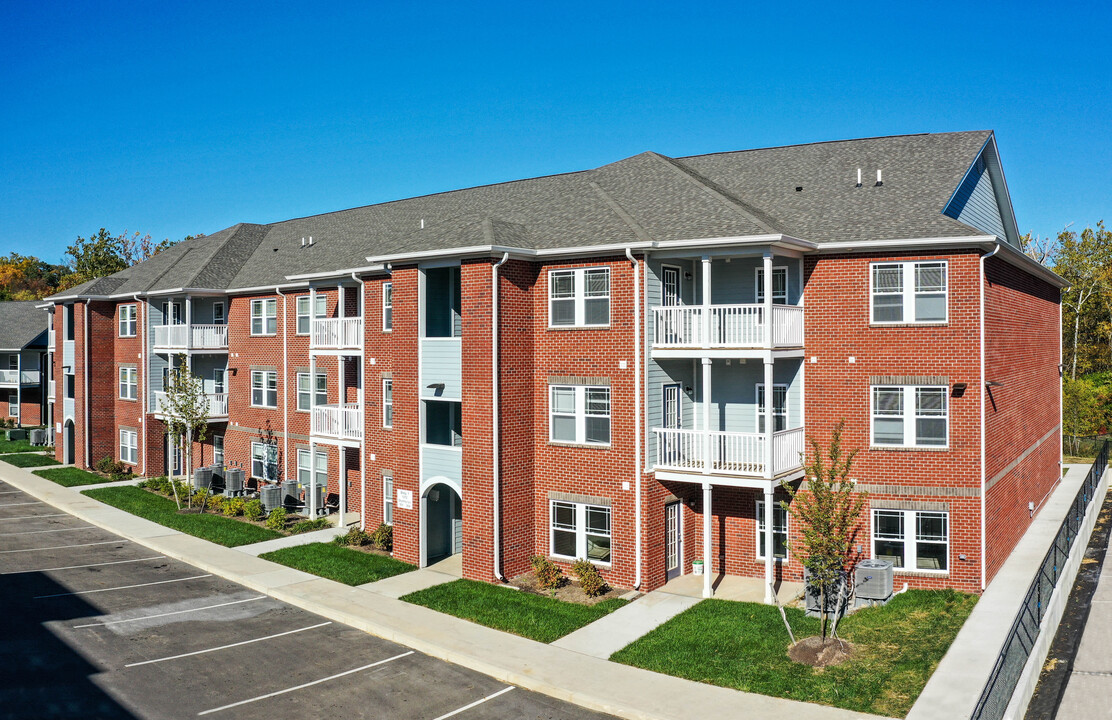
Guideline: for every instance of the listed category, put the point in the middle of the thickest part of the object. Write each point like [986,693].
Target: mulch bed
[819,653]
[569,592]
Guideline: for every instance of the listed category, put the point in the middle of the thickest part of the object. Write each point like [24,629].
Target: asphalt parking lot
[95,626]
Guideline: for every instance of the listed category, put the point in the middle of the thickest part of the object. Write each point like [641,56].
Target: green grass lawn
[25,460]
[70,476]
[744,646]
[16,446]
[341,564]
[215,528]
[543,619]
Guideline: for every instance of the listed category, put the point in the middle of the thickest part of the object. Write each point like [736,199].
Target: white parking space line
[75,567]
[176,612]
[63,547]
[121,587]
[34,517]
[39,532]
[305,685]
[225,647]
[503,691]
[36,502]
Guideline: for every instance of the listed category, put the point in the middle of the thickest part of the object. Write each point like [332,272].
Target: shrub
[234,506]
[216,503]
[309,525]
[548,574]
[590,579]
[122,474]
[252,509]
[383,537]
[199,496]
[355,537]
[106,465]
[276,520]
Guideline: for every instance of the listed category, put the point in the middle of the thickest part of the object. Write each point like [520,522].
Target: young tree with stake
[186,413]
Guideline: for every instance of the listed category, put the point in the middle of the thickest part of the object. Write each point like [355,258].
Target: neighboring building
[621,364]
[25,382]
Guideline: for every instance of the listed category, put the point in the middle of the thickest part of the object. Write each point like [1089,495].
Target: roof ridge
[621,212]
[834,142]
[758,217]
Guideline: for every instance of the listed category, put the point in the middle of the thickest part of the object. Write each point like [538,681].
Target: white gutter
[286,394]
[88,435]
[362,404]
[330,274]
[496,490]
[637,411]
[984,397]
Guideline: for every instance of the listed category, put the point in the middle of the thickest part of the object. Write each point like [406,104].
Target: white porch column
[708,446]
[708,564]
[343,483]
[768,299]
[769,499]
[19,388]
[312,499]
[312,479]
[769,469]
[705,325]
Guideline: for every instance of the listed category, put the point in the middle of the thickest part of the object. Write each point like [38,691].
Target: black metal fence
[1028,622]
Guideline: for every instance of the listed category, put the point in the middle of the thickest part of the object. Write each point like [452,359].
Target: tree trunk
[1076,333]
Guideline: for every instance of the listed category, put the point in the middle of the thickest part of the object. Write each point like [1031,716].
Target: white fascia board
[1011,226]
[329,274]
[475,250]
[266,288]
[178,291]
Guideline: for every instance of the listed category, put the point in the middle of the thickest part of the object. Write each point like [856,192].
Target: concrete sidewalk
[612,632]
[305,538]
[556,671]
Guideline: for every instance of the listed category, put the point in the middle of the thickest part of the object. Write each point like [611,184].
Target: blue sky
[179,118]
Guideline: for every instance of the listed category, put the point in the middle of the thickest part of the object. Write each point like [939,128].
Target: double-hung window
[387,402]
[129,446]
[305,472]
[304,320]
[908,292]
[305,392]
[13,404]
[579,530]
[129,383]
[388,499]
[264,317]
[779,407]
[779,531]
[218,317]
[579,414]
[218,449]
[912,539]
[128,313]
[264,388]
[387,306]
[779,285]
[910,415]
[264,461]
[579,297]
[218,383]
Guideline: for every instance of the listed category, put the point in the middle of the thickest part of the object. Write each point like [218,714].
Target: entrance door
[69,449]
[443,523]
[173,458]
[671,409]
[673,542]
[670,297]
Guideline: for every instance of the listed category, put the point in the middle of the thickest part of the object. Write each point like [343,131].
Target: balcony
[728,453]
[22,377]
[707,327]
[190,337]
[339,422]
[337,334]
[217,405]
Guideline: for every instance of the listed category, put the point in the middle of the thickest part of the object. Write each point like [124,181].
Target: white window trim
[760,406]
[129,448]
[580,532]
[266,450]
[223,315]
[910,539]
[215,438]
[908,293]
[219,381]
[131,381]
[908,416]
[321,377]
[321,469]
[259,309]
[758,525]
[129,317]
[580,296]
[758,284]
[388,499]
[388,327]
[322,300]
[387,403]
[580,415]
[265,374]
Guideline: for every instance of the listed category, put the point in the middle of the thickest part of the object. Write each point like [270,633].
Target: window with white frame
[13,404]
[264,317]
[908,292]
[128,314]
[779,285]
[579,414]
[388,499]
[387,306]
[129,383]
[912,539]
[264,461]
[129,446]
[264,388]
[579,297]
[779,407]
[910,415]
[304,392]
[779,530]
[218,449]
[579,530]
[218,317]
[219,387]
[387,402]
[304,472]
[304,321]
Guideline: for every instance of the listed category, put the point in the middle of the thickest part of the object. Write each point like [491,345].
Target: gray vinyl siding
[975,203]
[734,393]
[158,363]
[203,365]
[735,283]
[440,363]
[441,462]
[202,310]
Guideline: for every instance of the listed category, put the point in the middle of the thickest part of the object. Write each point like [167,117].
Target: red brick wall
[476,358]
[378,359]
[125,351]
[405,438]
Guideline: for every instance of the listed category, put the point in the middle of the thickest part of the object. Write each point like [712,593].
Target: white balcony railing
[337,333]
[725,326]
[338,421]
[218,404]
[727,453]
[24,377]
[191,337]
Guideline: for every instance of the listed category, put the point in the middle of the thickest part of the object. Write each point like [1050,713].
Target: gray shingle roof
[647,196]
[22,325]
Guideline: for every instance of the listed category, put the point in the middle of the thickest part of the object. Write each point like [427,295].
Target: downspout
[285,392]
[637,411]
[88,435]
[146,374]
[362,404]
[496,495]
[984,394]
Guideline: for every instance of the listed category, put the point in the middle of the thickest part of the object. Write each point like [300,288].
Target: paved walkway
[565,674]
[442,572]
[612,632]
[315,536]
[733,587]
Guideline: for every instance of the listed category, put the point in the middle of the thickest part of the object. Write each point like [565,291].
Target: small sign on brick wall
[405,499]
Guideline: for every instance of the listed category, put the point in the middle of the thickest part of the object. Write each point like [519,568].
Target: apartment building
[25,380]
[622,364]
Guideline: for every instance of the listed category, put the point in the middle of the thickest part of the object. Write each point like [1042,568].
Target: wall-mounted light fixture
[993,383]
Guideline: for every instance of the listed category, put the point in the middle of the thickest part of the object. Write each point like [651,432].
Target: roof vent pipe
[310,240]
[302,242]
[858,177]
[879,182]
[422,223]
